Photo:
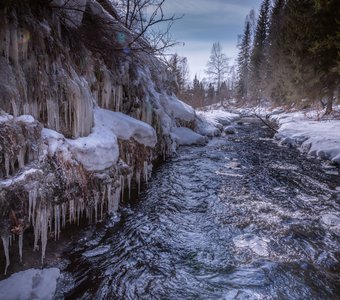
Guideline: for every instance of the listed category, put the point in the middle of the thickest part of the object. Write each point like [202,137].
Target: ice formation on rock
[84,125]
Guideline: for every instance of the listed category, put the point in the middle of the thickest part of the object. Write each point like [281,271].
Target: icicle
[32,200]
[138,180]
[14,108]
[116,199]
[109,198]
[44,229]
[53,115]
[96,199]
[37,228]
[7,164]
[106,91]
[63,213]
[122,184]
[118,97]
[145,171]
[21,158]
[102,204]
[5,242]
[56,222]
[77,212]
[71,212]
[82,207]
[12,166]
[21,238]
[129,178]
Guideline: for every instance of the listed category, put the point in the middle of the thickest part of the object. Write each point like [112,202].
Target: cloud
[205,7]
[205,22]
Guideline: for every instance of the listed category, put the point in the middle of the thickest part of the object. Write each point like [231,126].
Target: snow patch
[99,150]
[30,284]
[185,136]
[178,109]
[125,127]
[211,122]
[25,119]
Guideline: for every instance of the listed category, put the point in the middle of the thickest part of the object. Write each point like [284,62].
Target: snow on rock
[125,127]
[96,152]
[207,129]
[218,116]
[212,122]
[99,150]
[5,117]
[30,284]
[178,109]
[185,136]
[229,130]
[318,138]
[26,119]
[20,178]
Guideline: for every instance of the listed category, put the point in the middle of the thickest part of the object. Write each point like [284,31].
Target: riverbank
[309,130]
[310,133]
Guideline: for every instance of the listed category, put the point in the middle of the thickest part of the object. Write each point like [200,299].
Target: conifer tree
[258,61]
[243,62]
[275,88]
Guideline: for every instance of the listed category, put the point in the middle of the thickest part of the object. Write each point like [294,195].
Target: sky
[206,22]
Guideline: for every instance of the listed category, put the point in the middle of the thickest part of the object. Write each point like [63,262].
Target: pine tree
[301,80]
[325,48]
[275,88]
[198,93]
[178,66]
[258,61]
[243,62]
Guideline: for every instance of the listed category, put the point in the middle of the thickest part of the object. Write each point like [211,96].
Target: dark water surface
[240,218]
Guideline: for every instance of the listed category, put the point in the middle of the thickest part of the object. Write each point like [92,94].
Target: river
[239,218]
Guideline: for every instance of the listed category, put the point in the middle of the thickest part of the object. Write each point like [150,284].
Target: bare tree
[147,20]
[147,28]
[217,67]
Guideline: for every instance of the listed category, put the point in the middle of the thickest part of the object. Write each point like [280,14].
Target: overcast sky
[206,22]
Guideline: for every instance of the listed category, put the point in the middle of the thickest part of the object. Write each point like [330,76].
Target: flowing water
[239,218]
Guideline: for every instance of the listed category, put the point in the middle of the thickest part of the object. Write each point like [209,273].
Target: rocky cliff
[82,116]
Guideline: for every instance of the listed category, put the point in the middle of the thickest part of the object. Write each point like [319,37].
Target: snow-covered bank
[30,284]
[317,138]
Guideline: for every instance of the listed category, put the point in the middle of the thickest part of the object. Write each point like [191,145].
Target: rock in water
[229,130]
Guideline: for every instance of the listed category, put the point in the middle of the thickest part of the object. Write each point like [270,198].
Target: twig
[265,123]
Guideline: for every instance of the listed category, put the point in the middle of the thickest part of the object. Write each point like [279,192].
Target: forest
[288,55]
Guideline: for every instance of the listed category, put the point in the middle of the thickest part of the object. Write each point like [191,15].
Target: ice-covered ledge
[68,179]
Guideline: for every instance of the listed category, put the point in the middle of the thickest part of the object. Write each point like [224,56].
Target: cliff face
[82,117]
